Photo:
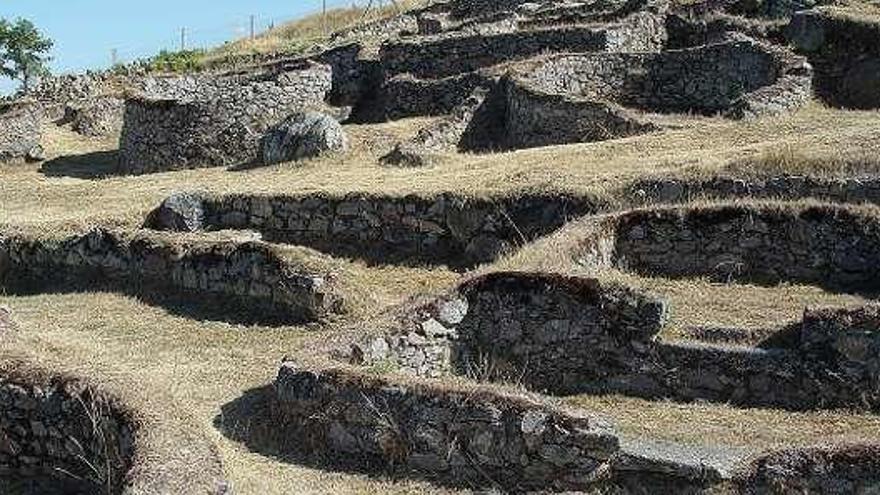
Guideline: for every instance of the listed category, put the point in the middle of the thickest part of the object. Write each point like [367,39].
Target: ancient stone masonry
[20,131]
[100,116]
[444,55]
[191,122]
[831,246]
[848,469]
[66,435]
[828,362]
[471,126]
[444,229]
[483,437]
[252,273]
[405,96]
[568,98]
[462,437]
[59,95]
[845,54]
[61,434]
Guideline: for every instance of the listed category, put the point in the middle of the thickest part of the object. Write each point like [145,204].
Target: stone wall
[444,229]
[449,54]
[535,118]
[56,94]
[62,436]
[248,273]
[406,96]
[846,469]
[845,53]
[20,131]
[100,116]
[708,79]
[567,335]
[462,436]
[829,246]
[191,122]
[472,126]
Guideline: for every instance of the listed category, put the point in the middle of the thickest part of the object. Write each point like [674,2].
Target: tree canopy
[23,51]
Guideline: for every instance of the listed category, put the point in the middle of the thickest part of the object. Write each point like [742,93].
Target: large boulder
[180,212]
[303,135]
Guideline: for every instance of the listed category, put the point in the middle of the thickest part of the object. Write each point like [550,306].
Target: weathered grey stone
[20,131]
[181,212]
[303,135]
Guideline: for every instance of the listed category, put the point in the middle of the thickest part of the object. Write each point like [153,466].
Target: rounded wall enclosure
[60,436]
[185,122]
[567,335]
[587,97]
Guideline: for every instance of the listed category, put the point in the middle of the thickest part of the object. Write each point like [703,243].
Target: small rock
[452,312]
[180,212]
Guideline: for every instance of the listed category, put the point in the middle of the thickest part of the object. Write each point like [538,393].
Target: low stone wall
[250,273]
[831,246]
[58,94]
[708,79]
[462,436]
[406,96]
[20,131]
[449,54]
[191,122]
[443,229]
[845,53]
[846,469]
[483,437]
[64,436]
[61,434]
[568,335]
[535,118]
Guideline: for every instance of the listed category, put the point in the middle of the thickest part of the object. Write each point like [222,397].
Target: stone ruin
[564,334]
[249,274]
[21,132]
[498,75]
[191,122]
[504,75]
[61,434]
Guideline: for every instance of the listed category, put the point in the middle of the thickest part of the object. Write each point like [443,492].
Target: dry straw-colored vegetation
[154,355]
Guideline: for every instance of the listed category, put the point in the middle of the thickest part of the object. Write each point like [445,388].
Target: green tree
[23,51]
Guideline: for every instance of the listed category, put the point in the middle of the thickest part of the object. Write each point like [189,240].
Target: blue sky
[86,31]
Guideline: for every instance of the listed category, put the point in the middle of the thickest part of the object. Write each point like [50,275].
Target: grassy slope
[299,36]
[155,355]
[72,190]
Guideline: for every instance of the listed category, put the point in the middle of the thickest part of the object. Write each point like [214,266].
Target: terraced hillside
[599,247]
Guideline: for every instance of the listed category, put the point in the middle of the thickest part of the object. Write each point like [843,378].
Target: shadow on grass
[187,304]
[256,421]
[95,165]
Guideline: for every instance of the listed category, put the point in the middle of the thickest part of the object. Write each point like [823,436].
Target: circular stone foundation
[593,96]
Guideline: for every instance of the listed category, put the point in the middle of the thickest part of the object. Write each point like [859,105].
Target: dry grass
[759,310]
[721,425]
[155,356]
[298,36]
[73,196]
